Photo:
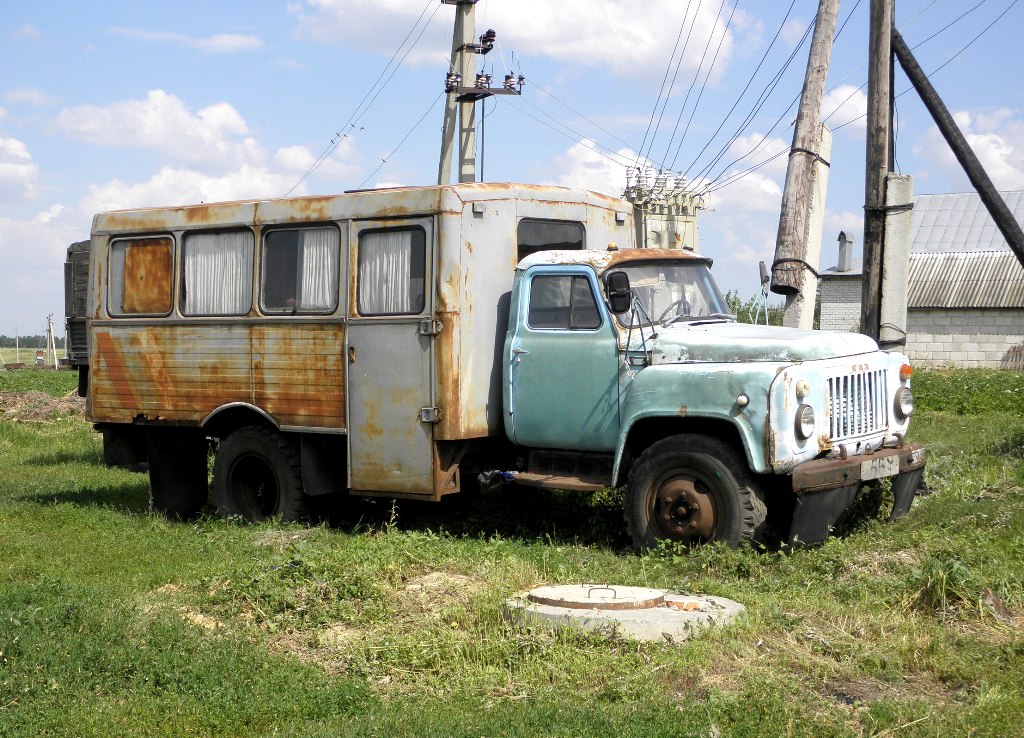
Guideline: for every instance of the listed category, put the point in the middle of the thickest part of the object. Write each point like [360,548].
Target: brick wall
[991,338]
[840,304]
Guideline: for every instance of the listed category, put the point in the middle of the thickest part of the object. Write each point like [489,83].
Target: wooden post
[791,242]
[877,163]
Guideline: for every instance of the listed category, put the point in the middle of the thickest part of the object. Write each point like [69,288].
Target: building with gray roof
[965,302]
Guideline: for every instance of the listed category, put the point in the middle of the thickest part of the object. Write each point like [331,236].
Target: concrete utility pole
[806,179]
[879,126]
[464,87]
[995,204]
[462,65]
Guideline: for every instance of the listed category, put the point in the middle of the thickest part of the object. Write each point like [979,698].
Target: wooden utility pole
[791,253]
[879,127]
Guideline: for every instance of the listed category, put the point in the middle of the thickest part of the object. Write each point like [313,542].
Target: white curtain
[319,265]
[386,286]
[218,273]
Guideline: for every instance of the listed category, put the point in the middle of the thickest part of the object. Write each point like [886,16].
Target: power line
[696,76]
[573,135]
[356,115]
[700,94]
[743,92]
[393,151]
[664,79]
[950,59]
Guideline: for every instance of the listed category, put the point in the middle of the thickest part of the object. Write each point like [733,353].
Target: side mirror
[620,296]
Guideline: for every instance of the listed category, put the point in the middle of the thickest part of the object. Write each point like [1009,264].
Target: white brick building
[965,305]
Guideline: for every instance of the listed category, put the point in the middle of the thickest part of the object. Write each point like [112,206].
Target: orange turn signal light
[906,372]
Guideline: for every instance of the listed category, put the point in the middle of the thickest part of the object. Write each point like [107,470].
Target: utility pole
[997,208]
[464,87]
[879,127]
[794,240]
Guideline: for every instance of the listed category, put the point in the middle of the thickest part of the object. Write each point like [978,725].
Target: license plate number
[886,466]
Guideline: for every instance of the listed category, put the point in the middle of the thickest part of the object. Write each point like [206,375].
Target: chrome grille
[857,404]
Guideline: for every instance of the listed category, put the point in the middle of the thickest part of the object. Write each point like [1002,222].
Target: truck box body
[387,386]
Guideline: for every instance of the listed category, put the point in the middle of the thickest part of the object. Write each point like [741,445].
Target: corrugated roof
[966,279]
[958,223]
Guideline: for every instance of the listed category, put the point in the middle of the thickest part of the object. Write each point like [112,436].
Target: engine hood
[726,342]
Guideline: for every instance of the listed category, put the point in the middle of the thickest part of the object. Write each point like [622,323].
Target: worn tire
[693,489]
[256,476]
[177,471]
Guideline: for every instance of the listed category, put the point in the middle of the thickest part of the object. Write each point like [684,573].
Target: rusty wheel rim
[684,509]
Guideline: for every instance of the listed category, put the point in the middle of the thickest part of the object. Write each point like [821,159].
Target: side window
[562,302]
[140,276]
[300,270]
[535,235]
[217,273]
[392,272]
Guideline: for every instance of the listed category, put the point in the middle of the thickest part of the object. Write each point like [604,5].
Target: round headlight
[804,422]
[904,403]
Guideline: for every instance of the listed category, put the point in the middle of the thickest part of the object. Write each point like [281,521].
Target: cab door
[561,360]
[390,357]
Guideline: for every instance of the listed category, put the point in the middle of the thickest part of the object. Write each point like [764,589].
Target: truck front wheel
[694,490]
[256,476]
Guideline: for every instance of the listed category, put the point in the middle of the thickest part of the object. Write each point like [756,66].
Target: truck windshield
[673,292]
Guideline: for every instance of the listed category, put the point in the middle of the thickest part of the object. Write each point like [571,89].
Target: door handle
[518,351]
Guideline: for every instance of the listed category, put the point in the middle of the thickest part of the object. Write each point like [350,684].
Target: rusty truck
[398,342]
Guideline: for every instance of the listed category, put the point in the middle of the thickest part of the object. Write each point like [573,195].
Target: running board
[551,481]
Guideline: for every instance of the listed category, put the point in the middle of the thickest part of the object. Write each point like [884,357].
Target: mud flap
[904,488]
[817,512]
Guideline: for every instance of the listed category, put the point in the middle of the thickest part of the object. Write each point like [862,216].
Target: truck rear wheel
[694,490]
[177,471]
[256,476]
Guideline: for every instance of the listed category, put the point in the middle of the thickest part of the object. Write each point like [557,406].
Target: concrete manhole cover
[639,613]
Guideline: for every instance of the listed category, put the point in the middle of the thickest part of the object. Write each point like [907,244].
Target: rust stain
[112,387]
[148,266]
[824,443]
[309,209]
[469,247]
[631,255]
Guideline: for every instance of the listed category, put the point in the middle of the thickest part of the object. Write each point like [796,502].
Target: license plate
[886,466]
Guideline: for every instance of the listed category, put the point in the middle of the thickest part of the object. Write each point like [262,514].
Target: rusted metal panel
[148,265]
[181,372]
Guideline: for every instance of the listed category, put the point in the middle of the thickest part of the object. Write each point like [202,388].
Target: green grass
[116,622]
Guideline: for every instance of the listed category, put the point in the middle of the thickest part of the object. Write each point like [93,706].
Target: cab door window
[562,302]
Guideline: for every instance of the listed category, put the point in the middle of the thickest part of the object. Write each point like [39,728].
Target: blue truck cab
[631,358]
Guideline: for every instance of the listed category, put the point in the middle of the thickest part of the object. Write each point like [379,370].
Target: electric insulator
[510,82]
[452,81]
[481,80]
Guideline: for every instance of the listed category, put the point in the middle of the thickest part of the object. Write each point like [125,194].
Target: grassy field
[116,622]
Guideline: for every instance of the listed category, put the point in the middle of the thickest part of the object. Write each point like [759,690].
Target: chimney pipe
[845,252]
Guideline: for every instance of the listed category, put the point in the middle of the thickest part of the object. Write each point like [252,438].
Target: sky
[117,104]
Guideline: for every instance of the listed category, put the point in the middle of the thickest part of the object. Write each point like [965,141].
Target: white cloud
[793,31]
[584,166]
[17,172]
[220,43]
[618,34]
[997,139]
[172,186]
[28,32]
[341,164]
[214,137]
[845,104]
[29,96]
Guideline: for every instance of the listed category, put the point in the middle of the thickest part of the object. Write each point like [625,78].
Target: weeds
[392,622]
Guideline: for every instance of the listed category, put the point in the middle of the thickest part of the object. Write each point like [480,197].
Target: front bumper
[825,488]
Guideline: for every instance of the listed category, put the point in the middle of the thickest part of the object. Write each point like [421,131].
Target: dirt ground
[39,407]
